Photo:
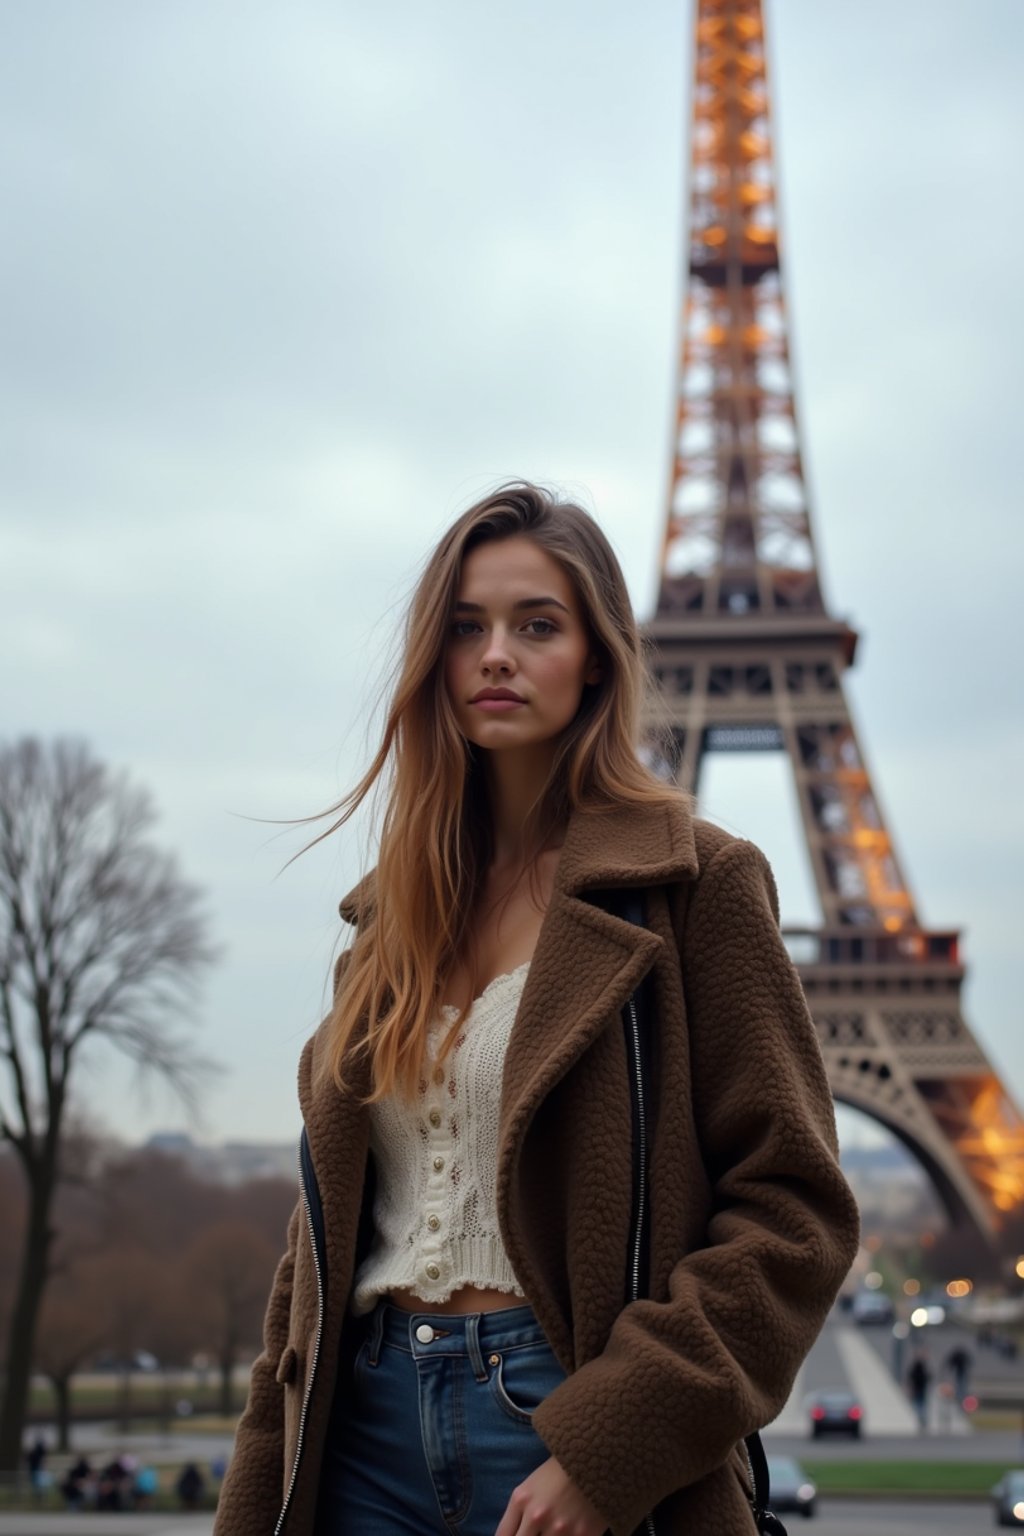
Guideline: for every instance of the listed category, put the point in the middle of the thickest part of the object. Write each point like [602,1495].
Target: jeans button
[425,1333]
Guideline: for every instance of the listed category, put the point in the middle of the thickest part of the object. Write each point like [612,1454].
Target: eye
[462,627]
[547,627]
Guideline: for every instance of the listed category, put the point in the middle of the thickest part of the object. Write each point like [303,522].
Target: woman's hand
[548,1503]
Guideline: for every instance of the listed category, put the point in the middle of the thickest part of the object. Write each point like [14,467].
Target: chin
[507,735]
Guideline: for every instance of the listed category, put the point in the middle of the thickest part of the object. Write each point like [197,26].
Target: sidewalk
[89,1524]
[104,1440]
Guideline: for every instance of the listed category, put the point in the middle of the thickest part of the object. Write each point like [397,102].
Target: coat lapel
[586,963]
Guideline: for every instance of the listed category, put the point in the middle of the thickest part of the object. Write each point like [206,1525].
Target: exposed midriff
[469,1298]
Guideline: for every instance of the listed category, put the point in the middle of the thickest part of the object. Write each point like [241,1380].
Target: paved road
[863,1360]
[104,1441]
[1006,1449]
[105,1525]
[842,1518]
[836,1518]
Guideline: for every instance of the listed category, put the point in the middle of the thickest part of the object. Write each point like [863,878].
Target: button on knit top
[435,1207]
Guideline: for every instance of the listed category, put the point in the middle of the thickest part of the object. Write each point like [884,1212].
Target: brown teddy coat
[753,1226]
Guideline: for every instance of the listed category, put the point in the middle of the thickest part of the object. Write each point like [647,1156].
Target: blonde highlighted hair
[435,835]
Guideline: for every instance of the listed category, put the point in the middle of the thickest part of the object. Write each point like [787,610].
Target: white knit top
[435,1207]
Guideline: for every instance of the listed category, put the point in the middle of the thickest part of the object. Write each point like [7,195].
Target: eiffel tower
[748,657]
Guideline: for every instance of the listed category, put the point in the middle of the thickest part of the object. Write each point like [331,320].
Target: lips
[497,693]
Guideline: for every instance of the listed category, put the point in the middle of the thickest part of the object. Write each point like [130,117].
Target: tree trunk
[62,1392]
[227,1371]
[22,1332]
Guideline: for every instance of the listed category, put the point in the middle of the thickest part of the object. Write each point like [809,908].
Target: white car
[872,1307]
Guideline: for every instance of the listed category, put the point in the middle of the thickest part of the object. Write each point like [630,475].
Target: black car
[1008,1499]
[835,1413]
[790,1486]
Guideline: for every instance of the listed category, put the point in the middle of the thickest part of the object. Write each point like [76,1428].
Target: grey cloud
[283,290]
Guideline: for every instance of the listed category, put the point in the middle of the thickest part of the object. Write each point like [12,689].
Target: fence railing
[872,946]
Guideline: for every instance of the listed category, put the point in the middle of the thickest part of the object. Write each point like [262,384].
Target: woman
[449,1347]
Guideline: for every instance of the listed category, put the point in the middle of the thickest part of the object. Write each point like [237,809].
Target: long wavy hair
[436,832]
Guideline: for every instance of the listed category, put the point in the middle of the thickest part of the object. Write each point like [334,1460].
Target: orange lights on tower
[748,658]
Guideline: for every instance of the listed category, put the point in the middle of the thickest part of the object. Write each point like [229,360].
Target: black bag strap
[628,903]
[768,1523]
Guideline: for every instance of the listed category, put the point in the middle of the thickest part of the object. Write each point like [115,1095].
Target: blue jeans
[431,1431]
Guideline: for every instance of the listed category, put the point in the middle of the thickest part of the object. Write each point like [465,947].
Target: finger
[509,1525]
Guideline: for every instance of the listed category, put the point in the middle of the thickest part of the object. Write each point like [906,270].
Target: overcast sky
[285,287]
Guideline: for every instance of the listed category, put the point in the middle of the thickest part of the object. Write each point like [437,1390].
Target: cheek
[452,675]
[563,675]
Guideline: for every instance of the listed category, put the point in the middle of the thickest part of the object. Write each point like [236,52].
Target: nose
[497,657]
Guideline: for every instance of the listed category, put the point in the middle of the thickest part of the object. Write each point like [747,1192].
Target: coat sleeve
[251,1497]
[683,1378]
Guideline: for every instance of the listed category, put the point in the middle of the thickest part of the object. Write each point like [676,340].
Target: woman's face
[517,629]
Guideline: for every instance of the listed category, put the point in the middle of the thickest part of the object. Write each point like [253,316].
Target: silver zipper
[752,1495]
[316,1350]
[642,1118]
[634,1027]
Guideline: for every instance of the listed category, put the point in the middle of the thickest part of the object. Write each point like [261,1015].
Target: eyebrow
[524,602]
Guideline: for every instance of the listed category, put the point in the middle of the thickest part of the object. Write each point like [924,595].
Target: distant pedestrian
[919,1379]
[75,1486]
[145,1486]
[110,1489]
[36,1456]
[959,1361]
[190,1486]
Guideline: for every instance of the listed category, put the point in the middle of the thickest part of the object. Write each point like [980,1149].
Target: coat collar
[622,845]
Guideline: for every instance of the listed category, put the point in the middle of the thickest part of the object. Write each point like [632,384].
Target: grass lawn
[963,1478]
[205,1424]
[149,1396]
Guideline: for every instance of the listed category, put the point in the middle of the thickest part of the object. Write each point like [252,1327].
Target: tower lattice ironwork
[748,657]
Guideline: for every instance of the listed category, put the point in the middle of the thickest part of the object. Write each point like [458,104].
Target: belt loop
[476,1359]
[376,1333]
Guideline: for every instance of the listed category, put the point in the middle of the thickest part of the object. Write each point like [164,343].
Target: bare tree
[101,942]
[228,1271]
[72,1326]
[12,1225]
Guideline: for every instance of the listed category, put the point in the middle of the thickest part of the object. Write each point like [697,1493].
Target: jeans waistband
[473,1334]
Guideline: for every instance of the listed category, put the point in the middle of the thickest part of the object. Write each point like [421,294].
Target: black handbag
[636,1017]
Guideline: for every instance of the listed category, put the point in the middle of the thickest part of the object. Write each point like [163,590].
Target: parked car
[139,1360]
[835,1413]
[1008,1499]
[791,1488]
[872,1307]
